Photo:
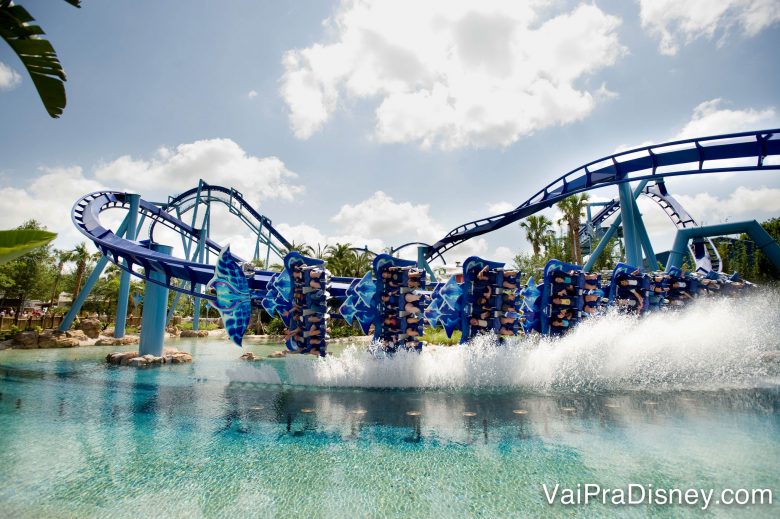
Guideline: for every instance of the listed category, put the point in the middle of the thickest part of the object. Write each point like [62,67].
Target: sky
[380,123]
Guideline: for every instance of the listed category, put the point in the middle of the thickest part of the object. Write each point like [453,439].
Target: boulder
[91,327]
[114,341]
[26,340]
[249,356]
[194,333]
[178,357]
[55,339]
[137,362]
[278,354]
[76,334]
[173,331]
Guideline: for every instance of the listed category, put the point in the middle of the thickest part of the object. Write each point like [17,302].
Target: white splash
[713,344]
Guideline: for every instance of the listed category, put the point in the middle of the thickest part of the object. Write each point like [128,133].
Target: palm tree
[536,228]
[573,209]
[36,54]
[363,263]
[340,258]
[81,256]
[61,257]
[302,247]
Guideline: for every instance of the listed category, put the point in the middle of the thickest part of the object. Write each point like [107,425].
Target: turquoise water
[473,432]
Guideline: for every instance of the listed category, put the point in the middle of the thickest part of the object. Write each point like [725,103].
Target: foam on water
[716,343]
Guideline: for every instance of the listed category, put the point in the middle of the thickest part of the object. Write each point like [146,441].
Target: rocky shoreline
[132,358]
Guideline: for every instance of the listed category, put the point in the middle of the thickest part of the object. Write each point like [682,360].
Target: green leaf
[36,54]
[19,242]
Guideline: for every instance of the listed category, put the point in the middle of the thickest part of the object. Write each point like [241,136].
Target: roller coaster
[398,296]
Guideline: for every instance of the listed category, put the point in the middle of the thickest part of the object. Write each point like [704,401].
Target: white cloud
[50,196]
[710,118]
[673,21]
[217,161]
[453,74]
[302,233]
[380,215]
[252,94]
[9,78]
[504,254]
[500,207]
[379,222]
[743,202]
[713,118]
[48,199]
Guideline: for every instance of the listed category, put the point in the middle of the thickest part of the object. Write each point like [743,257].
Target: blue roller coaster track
[684,157]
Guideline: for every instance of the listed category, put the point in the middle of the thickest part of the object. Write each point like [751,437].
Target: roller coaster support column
[155,306]
[423,263]
[67,322]
[630,235]
[644,240]
[610,232]
[196,300]
[124,278]
[758,234]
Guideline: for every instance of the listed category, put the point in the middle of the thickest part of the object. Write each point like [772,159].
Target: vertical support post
[155,306]
[644,239]
[67,321]
[124,278]
[594,255]
[196,300]
[423,263]
[633,251]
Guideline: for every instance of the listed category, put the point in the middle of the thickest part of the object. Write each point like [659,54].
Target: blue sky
[450,109]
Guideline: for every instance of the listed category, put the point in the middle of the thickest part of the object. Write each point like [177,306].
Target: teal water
[288,438]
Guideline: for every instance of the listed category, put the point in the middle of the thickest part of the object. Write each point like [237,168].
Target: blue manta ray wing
[433,312]
[450,292]
[450,322]
[366,288]
[348,310]
[365,318]
[283,284]
[233,300]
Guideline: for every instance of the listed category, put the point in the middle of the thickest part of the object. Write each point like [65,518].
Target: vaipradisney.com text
[647,494]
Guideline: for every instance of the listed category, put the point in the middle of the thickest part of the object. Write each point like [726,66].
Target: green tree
[38,56]
[340,259]
[60,258]
[80,256]
[26,276]
[302,247]
[536,227]
[573,209]
[363,263]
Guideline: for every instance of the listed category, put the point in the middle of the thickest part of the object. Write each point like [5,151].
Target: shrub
[275,327]
[342,329]
[437,336]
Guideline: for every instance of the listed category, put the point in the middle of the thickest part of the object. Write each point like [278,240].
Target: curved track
[671,206]
[684,157]
[235,202]
[86,217]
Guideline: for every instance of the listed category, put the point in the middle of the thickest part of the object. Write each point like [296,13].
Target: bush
[187,325]
[437,336]
[342,329]
[275,327]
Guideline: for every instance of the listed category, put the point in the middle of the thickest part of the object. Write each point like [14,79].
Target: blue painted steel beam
[610,233]
[155,306]
[630,236]
[644,240]
[423,263]
[763,240]
[75,307]
[124,278]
